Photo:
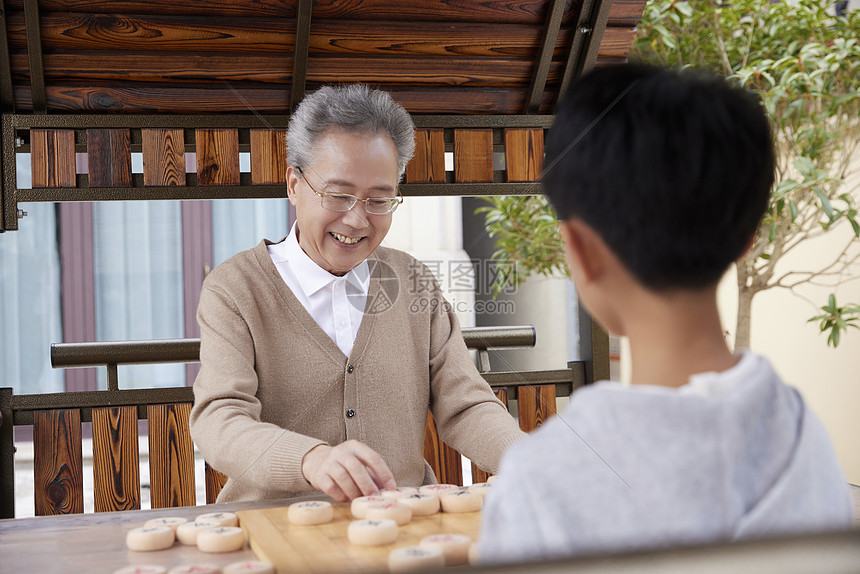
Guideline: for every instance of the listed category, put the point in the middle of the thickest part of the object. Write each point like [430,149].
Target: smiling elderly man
[321,354]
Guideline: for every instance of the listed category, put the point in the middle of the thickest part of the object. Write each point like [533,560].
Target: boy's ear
[582,248]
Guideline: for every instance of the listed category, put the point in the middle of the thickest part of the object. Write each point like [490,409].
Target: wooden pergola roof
[213,56]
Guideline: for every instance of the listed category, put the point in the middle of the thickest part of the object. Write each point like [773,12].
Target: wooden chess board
[325,547]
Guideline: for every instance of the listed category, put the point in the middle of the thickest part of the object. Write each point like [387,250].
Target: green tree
[805,65]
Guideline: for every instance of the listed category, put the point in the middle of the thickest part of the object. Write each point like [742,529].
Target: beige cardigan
[273,385]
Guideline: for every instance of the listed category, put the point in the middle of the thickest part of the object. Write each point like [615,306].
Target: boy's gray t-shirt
[730,455]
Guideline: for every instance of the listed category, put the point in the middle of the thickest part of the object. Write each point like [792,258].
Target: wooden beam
[300,53]
[34,53]
[585,45]
[597,23]
[7,95]
[547,49]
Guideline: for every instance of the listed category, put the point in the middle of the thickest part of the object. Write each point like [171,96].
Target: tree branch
[824,271]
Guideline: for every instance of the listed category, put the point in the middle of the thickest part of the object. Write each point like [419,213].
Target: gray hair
[353,108]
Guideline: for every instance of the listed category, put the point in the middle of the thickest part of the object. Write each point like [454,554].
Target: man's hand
[346,471]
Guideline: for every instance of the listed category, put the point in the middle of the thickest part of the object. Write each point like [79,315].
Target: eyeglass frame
[395,201]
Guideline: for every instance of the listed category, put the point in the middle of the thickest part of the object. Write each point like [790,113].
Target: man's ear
[583,249]
[292,181]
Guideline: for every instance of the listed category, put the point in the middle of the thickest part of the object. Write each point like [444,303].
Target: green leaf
[825,202]
[804,165]
[785,186]
[684,8]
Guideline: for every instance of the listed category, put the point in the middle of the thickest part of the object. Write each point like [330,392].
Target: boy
[660,179]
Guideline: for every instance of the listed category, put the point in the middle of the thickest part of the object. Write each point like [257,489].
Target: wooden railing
[114,413]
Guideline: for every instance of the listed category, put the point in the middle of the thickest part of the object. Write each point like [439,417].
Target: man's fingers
[379,472]
[381,484]
[347,471]
[334,491]
[345,480]
[361,476]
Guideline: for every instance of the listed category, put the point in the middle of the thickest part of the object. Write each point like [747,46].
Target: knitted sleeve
[469,416]
[225,418]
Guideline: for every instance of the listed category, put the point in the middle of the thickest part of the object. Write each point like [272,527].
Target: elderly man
[321,354]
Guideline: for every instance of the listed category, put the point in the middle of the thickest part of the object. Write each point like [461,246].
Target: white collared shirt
[335,303]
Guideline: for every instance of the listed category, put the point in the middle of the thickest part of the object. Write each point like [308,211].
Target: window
[114,271]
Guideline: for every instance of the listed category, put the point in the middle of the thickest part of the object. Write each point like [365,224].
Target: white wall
[431,230]
[828,378]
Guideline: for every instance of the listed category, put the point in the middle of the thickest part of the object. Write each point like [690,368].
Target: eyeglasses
[345,201]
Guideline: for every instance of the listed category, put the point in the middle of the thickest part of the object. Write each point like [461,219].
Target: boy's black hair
[672,168]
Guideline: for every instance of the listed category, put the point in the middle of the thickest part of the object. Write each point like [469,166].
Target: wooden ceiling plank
[143,98]
[195,34]
[300,53]
[34,53]
[626,12]
[427,72]
[454,39]
[83,31]
[143,67]
[616,42]
[268,8]
[547,48]
[488,12]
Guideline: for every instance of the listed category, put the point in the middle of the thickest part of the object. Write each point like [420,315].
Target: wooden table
[325,548]
[96,542]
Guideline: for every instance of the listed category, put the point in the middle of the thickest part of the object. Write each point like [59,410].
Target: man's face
[357,164]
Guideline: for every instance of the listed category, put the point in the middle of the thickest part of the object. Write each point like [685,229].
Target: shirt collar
[311,276]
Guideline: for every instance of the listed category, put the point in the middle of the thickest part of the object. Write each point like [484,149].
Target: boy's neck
[675,336]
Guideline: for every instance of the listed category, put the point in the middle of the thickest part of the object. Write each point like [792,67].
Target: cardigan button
[350,368]
[350,413]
